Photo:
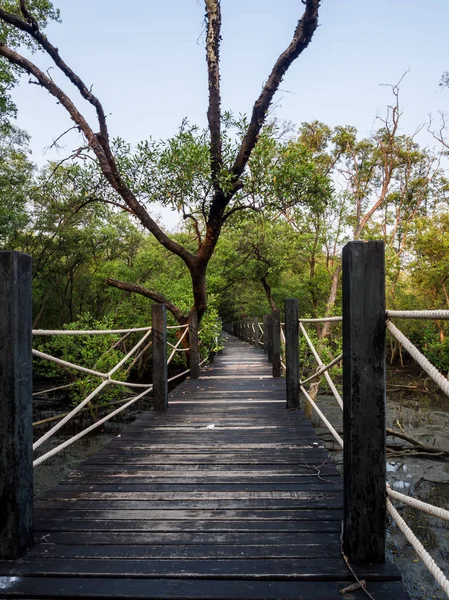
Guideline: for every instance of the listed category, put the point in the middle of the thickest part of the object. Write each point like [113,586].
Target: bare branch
[33,30]
[152,295]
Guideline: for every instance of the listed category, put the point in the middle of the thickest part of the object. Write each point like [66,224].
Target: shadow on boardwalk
[225,495]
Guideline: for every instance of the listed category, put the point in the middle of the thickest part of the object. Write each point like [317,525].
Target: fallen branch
[424,447]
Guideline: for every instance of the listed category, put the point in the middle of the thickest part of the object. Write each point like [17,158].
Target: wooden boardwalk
[225,495]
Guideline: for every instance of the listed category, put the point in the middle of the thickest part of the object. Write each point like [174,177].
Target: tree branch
[152,295]
[105,159]
[301,38]
[213,13]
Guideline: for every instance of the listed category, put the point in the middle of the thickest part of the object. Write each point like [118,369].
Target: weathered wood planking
[225,495]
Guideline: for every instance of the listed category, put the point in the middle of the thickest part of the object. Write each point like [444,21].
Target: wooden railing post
[160,369]
[292,351]
[194,348]
[16,430]
[270,337]
[256,332]
[364,401]
[265,336]
[276,315]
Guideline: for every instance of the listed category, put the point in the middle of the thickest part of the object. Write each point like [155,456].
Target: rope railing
[134,353]
[443,383]
[106,381]
[86,331]
[431,315]
[430,509]
[176,347]
[321,366]
[423,362]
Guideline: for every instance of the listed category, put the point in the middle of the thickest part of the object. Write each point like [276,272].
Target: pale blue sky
[145,60]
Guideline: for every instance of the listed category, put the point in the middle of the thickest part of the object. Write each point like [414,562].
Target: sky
[145,61]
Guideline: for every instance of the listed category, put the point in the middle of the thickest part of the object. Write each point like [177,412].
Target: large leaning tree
[21,26]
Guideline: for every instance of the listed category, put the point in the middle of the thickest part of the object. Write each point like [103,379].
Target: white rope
[418,314]
[430,509]
[178,376]
[76,437]
[92,395]
[65,363]
[71,414]
[55,389]
[176,349]
[428,367]
[177,326]
[321,370]
[419,548]
[86,331]
[322,320]
[282,336]
[321,364]
[203,361]
[322,417]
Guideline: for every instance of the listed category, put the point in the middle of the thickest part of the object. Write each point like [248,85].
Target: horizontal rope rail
[86,331]
[430,509]
[418,314]
[322,320]
[423,362]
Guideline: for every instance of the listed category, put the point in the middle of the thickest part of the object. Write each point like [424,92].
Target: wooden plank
[37,588]
[188,551]
[327,569]
[129,501]
[67,523]
[47,511]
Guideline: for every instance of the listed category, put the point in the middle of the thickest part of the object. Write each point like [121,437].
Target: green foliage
[42,12]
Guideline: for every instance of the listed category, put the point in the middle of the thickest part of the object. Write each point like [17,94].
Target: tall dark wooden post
[276,316]
[194,348]
[292,351]
[159,336]
[265,335]
[256,332]
[16,430]
[364,401]
[270,337]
